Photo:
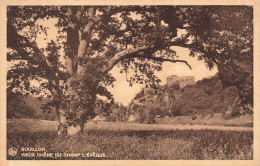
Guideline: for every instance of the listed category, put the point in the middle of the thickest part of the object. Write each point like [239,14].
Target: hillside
[36,104]
[181,96]
[207,96]
[31,108]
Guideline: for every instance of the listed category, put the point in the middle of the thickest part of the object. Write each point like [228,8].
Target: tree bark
[62,128]
[70,56]
[76,71]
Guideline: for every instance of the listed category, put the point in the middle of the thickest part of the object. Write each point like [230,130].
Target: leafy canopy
[218,35]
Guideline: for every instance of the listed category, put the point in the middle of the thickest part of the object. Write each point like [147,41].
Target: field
[215,119]
[126,141]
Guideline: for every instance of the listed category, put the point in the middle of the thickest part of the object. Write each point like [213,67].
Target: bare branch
[161,59]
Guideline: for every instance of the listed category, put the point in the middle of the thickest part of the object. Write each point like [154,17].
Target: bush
[194,117]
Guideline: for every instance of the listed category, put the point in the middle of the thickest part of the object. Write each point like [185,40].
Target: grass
[135,144]
[216,119]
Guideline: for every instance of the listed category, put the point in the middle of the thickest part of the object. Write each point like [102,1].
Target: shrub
[194,117]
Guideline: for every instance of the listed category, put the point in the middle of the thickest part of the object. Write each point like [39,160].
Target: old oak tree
[91,40]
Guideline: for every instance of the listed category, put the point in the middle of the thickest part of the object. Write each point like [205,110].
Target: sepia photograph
[129,82]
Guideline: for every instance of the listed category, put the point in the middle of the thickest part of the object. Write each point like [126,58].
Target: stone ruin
[151,95]
[182,81]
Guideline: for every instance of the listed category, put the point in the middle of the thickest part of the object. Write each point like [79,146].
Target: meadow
[133,143]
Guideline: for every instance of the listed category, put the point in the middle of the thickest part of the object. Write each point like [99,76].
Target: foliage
[29,107]
[91,40]
[118,113]
[18,109]
[240,74]
[139,95]
[208,96]
[103,107]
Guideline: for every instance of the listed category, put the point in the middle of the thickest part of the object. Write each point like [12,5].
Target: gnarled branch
[145,52]
[129,53]
[141,52]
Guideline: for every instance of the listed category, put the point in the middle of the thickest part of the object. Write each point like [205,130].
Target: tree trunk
[75,124]
[65,128]
[65,125]
[82,95]
[62,128]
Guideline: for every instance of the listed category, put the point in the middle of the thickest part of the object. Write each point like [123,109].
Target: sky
[123,93]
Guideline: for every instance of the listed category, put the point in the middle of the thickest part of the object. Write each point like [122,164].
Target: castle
[152,93]
[159,94]
[182,81]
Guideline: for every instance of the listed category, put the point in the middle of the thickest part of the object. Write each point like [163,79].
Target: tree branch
[50,69]
[129,53]
[146,52]
[161,59]
[73,19]
[85,37]
[38,52]
[142,52]
[117,10]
